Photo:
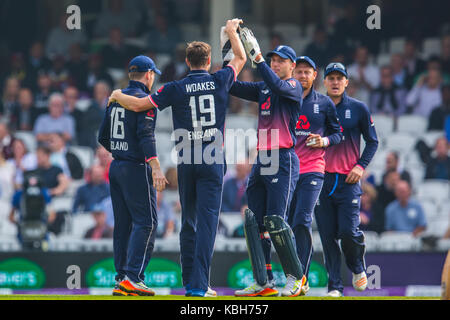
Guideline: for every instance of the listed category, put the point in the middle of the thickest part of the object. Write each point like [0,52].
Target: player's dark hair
[45,149]
[198,53]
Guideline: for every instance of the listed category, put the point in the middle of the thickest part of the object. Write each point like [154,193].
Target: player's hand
[233,25]
[113,96]
[159,180]
[314,141]
[355,175]
[251,45]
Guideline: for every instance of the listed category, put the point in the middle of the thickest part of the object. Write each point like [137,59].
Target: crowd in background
[58,90]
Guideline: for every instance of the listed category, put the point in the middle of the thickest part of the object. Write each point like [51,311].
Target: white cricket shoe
[334,294]
[360,281]
[210,293]
[255,290]
[293,286]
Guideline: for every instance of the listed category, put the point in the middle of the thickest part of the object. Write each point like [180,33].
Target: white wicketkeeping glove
[251,45]
[225,45]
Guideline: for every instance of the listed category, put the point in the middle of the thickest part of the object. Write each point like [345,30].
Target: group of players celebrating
[317,148]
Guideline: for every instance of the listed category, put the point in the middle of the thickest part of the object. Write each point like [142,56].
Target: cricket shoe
[305,289]
[209,293]
[255,290]
[139,288]
[360,281]
[293,286]
[334,294]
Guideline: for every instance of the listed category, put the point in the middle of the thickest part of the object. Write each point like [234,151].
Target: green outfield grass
[178,297]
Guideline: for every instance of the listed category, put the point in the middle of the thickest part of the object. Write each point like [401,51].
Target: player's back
[124,126]
[199,102]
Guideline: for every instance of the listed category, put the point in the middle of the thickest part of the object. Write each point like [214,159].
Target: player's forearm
[240,57]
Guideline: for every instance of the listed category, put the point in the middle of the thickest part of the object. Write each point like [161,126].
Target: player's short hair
[136,75]
[198,53]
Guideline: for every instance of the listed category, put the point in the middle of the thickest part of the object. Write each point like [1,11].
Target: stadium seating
[412,124]
[85,154]
[28,138]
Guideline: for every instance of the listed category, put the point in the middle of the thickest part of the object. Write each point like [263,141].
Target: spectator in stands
[21,161]
[60,38]
[368,198]
[438,166]
[439,114]
[101,229]
[91,118]
[164,36]
[52,177]
[26,113]
[392,164]
[103,158]
[71,96]
[55,121]
[6,141]
[92,192]
[233,195]
[176,69]
[64,158]
[43,92]
[97,72]
[405,214]
[36,62]
[398,69]
[445,53]
[166,217]
[385,195]
[362,71]
[388,98]
[10,97]
[426,93]
[319,48]
[413,64]
[115,15]
[116,53]
[77,67]
[276,39]
[59,74]
[17,68]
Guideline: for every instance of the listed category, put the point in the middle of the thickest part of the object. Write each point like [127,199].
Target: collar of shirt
[310,95]
[138,84]
[343,100]
[197,72]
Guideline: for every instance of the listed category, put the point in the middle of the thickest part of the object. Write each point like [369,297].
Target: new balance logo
[355,201]
[314,183]
[274,180]
[265,91]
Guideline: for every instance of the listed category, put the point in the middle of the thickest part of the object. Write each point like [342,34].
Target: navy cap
[285,52]
[335,66]
[307,60]
[142,64]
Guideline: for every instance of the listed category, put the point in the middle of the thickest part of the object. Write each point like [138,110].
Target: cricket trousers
[270,193]
[301,211]
[135,218]
[200,189]
[337,218]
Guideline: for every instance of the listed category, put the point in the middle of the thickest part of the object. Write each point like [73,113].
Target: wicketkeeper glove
[251,45]
[225,45]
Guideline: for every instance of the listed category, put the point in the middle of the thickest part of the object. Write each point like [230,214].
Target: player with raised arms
[134,174]
[279,96]
[199,103]
[317,129]
[337,212]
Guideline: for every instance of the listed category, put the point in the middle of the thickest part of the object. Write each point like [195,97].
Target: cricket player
[134,174]
[337,212]
[317,129]
[199,104]
[269,194]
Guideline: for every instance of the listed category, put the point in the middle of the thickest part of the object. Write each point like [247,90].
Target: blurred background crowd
[55,83]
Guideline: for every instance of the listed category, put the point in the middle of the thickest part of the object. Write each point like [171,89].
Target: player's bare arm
[240,57]
[130,102]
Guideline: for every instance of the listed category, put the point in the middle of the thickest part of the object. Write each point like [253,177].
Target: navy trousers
[337,218]
[135,218]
